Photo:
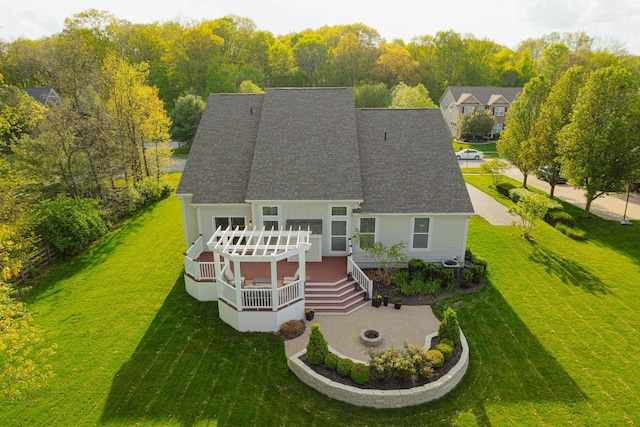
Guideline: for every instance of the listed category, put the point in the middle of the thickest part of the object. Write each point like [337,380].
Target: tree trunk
[585,215]
[524,180]
[553,189]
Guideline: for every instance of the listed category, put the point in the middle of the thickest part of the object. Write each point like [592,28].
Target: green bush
[468,255]
[479,270]
[152,190]
[360,373]
[415,287]
[411,363]
[433,286]
[400,278]
[516,193]
[504,188]
[69,223]
[317,348]
[416,264]
[437,358]
[467,276]
[445,349]
[446,341]
[433,271]
[344,366]
[447,277]
[331,361]
[557,216]
[449,327]
[574,233]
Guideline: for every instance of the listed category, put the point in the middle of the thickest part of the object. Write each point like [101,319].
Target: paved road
[608,207]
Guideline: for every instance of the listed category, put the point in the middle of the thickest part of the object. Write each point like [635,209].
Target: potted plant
[397,303]
[309,313]
[385,300]
[376,301]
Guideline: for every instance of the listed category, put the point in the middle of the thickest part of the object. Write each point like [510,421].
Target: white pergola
[257,245]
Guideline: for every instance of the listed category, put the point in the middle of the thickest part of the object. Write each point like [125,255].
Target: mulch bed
[391,384]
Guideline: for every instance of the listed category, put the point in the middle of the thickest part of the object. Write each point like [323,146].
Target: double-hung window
[367,232]
[420,233]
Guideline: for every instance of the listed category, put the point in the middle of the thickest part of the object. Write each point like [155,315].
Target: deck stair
[340,297]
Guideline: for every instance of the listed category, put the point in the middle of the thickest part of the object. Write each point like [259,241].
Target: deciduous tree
[185,117]
[476,124]
[600,148]
[404,96]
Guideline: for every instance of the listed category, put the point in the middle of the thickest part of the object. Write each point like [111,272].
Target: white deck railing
[256,298]
[358,275]
[226,292]
[199,270]
[290,292]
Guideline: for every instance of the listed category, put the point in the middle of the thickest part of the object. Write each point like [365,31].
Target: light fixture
[250,224]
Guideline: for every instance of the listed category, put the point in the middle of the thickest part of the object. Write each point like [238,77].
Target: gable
[497,100]
[467,98]
[483,94]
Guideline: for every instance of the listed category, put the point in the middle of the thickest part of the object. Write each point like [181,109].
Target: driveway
[608,207]
[488,208]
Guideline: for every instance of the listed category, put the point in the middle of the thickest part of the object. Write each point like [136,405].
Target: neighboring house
[47,96]
[458,100]
[277,183]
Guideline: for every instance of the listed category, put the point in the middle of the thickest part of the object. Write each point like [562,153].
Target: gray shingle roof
[217,170]
[312,144]
[307,147]
[483,93]
[414,170]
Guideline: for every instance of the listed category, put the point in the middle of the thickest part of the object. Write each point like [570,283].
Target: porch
[261,278]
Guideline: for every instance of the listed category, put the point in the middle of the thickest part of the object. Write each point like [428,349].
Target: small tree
[476,125]
[185,117]
[248,86]
[404,96]
[495,168]
[318,348]
[531,207]
[449,327]
[385,257]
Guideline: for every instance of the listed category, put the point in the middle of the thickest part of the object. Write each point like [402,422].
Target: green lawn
[554,339]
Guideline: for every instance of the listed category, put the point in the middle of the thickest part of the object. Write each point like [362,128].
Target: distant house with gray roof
[46,96]
[457,100]
[288,176]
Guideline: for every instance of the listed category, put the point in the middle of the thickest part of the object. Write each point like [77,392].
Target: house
[47,96]
[277,183]
[458,100]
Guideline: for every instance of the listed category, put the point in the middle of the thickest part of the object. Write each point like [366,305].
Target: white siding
[189,221]
[208,213]
[447,236]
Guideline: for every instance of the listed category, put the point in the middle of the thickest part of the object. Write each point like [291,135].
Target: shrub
[556,216]
[445,349]
[416,264]
[69,223]
[360,373]
[467,276]
[433,271]
[516,194]
[317,349]
[152,190]
[504,188]
[129,200]
[433,286]
[437,358]
[401,278]
[574,233]
[412,363]
[447,277]
[291,329]
[344,366]
[415,287]
[479,270]
[449,327]
[468,255]
[446,341]
[331,361]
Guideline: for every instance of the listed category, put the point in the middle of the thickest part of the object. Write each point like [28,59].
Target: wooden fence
[37,260]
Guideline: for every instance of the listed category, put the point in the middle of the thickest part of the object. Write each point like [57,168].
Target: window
[467,110]
[420,236]
[498,111]
[367,232]
[269,211]
[339,228]
[224,222]
[497,128]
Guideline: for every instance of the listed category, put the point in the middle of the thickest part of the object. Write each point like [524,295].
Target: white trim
[266,202]
[347,219]
[376,229]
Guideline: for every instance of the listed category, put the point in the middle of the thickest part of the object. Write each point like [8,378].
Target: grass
[181,152]
[554,339]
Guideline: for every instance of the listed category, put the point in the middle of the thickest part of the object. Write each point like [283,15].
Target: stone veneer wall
[383,398]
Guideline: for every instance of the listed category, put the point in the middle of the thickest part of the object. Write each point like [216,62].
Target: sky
[507,22]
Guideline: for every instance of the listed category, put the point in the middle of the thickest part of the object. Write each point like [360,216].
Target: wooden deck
[330,270]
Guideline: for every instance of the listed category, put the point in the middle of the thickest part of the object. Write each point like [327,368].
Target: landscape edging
[382,399]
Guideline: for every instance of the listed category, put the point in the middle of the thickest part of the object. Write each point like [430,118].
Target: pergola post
[218,271]
[302,265]
[237,284]
[274,285]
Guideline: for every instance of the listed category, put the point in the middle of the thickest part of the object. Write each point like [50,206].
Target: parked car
[544,173]
[469,153]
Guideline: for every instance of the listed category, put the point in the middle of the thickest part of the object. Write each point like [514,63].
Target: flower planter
[397,305]
[376,302]
[309,316]
[385,300]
